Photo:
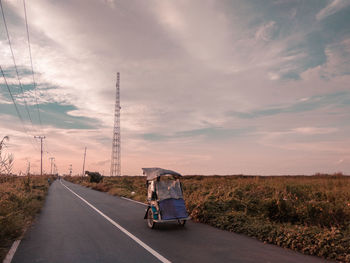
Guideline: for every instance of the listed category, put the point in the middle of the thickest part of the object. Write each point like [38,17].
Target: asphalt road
[113,230]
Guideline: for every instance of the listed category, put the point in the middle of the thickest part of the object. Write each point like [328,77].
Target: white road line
[12,252]
[133,201]
[137,240]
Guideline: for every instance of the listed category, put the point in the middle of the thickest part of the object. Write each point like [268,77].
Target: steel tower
[115,160]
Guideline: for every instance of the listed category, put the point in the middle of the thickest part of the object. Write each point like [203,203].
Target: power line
[48,148]
[51,159]
[14,62]
[41,152]
[31,62]
[14,103]
[12,98]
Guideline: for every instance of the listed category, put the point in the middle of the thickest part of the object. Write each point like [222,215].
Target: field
[21,198]
[310,214]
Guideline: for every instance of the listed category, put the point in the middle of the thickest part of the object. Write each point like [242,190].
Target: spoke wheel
[150,221]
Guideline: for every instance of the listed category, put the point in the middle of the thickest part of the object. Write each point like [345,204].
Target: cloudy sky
[207,87]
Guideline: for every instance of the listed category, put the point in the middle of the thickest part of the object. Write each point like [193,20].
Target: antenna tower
[115,160]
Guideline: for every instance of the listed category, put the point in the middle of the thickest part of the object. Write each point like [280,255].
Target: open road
[78,224]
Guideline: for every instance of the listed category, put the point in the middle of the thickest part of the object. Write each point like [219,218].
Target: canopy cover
[169,189]
[153,173]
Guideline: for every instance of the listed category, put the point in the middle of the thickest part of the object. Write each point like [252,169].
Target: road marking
[133,201]
[12,252]
[137,240]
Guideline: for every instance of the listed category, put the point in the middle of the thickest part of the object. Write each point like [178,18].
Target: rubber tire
[150,222]
[181,222]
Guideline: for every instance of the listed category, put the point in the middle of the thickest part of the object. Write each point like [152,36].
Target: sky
[207,87]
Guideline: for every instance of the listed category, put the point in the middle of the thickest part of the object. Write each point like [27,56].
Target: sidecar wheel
[150,221]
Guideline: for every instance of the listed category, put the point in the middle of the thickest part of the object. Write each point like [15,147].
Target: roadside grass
[309,214]
[21,198]
[118,186]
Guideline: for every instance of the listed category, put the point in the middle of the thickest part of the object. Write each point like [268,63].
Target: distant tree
[6,160]
[94,177]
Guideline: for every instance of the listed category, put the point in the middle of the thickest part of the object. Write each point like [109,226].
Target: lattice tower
[115,160]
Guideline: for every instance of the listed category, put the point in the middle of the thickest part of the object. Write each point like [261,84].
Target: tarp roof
[153,173]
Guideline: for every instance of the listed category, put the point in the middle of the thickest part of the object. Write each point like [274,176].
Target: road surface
[78,224]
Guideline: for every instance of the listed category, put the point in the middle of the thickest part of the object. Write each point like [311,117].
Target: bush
[94,177]
[20,199]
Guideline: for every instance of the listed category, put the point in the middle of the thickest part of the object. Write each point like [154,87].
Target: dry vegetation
[307,214]
[21,198]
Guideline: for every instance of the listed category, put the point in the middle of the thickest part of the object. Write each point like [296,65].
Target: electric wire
[31,63]
[14,62]
[14,103]
[18,78]
[48,148]
[12,98]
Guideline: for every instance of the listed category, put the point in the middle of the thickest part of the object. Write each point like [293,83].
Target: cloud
[267,31]
[339,161]
[102,163]
[4,100]
[183,66]
[338,99]
[338,59]
[313,130]
[212,133]
[52,113]
[333,7]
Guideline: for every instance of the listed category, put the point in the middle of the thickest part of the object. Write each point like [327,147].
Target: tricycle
[165,197]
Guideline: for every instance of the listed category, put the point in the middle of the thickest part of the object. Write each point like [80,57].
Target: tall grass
[21,198]
[307,214]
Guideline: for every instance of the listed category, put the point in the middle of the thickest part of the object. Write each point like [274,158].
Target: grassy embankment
[21,198]
[307,214]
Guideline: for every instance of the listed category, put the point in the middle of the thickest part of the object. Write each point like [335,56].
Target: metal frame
[171,220]
[115,160]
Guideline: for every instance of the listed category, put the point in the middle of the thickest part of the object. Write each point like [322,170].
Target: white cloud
[333,7]
[273,76]
[339,161]
[338,58]
[183,66]
[313,130]
[4,100]
[267,31]
[337,64]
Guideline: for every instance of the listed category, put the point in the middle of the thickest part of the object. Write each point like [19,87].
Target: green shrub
[94,177]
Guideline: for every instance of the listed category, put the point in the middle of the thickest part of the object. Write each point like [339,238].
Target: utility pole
[84,161]
[51,159]
[115,160]
[41,152]
[28,168]
[70,170]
